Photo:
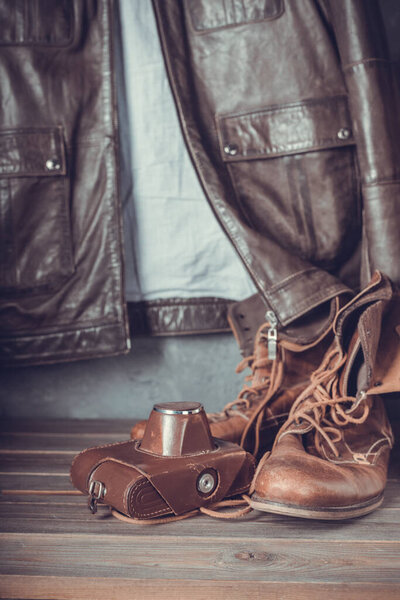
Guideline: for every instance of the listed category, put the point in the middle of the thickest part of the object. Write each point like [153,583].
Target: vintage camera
[176,468]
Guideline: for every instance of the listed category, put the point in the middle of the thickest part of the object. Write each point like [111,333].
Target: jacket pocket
[286,129]
[35,232]
[211,15]
[293,167]
[36,22]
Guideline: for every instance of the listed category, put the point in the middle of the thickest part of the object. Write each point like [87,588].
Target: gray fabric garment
[174,246]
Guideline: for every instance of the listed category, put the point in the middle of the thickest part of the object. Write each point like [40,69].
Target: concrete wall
[197,368]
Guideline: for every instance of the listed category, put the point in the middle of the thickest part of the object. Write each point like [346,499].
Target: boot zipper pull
[272,334]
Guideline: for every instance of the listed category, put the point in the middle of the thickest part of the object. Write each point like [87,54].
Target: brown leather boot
[330,458]
[280,371]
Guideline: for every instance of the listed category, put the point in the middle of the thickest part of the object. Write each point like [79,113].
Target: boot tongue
[354,376]
[346,320]
[358,328]
[264,369]
[245,318]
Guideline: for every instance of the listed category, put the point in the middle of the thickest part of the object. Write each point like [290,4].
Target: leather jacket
[289,112]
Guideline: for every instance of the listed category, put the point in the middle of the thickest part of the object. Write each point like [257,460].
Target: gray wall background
[197,368]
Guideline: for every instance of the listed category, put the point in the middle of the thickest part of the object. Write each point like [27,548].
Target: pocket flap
[286,129]
[32,152]
[211,15]
[36,22]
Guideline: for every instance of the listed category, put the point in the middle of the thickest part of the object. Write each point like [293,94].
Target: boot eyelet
[361,459]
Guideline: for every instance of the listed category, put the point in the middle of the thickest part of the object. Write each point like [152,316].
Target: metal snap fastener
[231,149]
[344,133]
[52,165]
[207,482]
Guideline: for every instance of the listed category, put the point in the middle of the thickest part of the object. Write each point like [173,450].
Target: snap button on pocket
[53,165]
[344,133]
[231,149]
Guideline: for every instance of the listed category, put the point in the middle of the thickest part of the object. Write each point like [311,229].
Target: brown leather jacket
[289,113]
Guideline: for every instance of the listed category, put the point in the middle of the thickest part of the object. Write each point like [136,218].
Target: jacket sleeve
[375,111]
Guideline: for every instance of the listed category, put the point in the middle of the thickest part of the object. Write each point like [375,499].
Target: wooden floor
[52,547]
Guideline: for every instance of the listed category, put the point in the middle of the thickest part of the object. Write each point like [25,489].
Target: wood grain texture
[88,588]
[80,426]
[64,516]
[37,482]
[51,547]
[194,557]
[35,462]
[73,443]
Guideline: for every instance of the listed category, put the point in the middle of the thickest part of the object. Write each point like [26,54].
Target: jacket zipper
[272,334]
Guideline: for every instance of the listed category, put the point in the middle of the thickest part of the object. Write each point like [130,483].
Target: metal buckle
[97,491]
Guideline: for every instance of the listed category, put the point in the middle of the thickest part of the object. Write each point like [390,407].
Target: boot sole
[330,513]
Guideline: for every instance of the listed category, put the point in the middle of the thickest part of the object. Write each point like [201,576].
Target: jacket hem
[179,316]
[65,346]
[301,292]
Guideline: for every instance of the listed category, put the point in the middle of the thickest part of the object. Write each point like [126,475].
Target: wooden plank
[175,557]
[34,463]
[88,588]
[47,541]
[62,516]
[57,476]
[10,483]
[38,498]
[81,426]
[57,442]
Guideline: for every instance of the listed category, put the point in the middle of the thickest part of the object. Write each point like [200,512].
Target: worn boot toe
[296,483]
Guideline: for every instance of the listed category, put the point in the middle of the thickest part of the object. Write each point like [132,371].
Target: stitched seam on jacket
[283,107]
[242,23]
[378,182]
[287,280]
[315,298]
[367,62]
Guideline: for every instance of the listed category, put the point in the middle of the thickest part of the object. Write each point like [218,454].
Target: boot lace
[255,395]
[321,406]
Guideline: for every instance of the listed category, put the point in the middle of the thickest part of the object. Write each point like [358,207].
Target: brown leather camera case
[176,468]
